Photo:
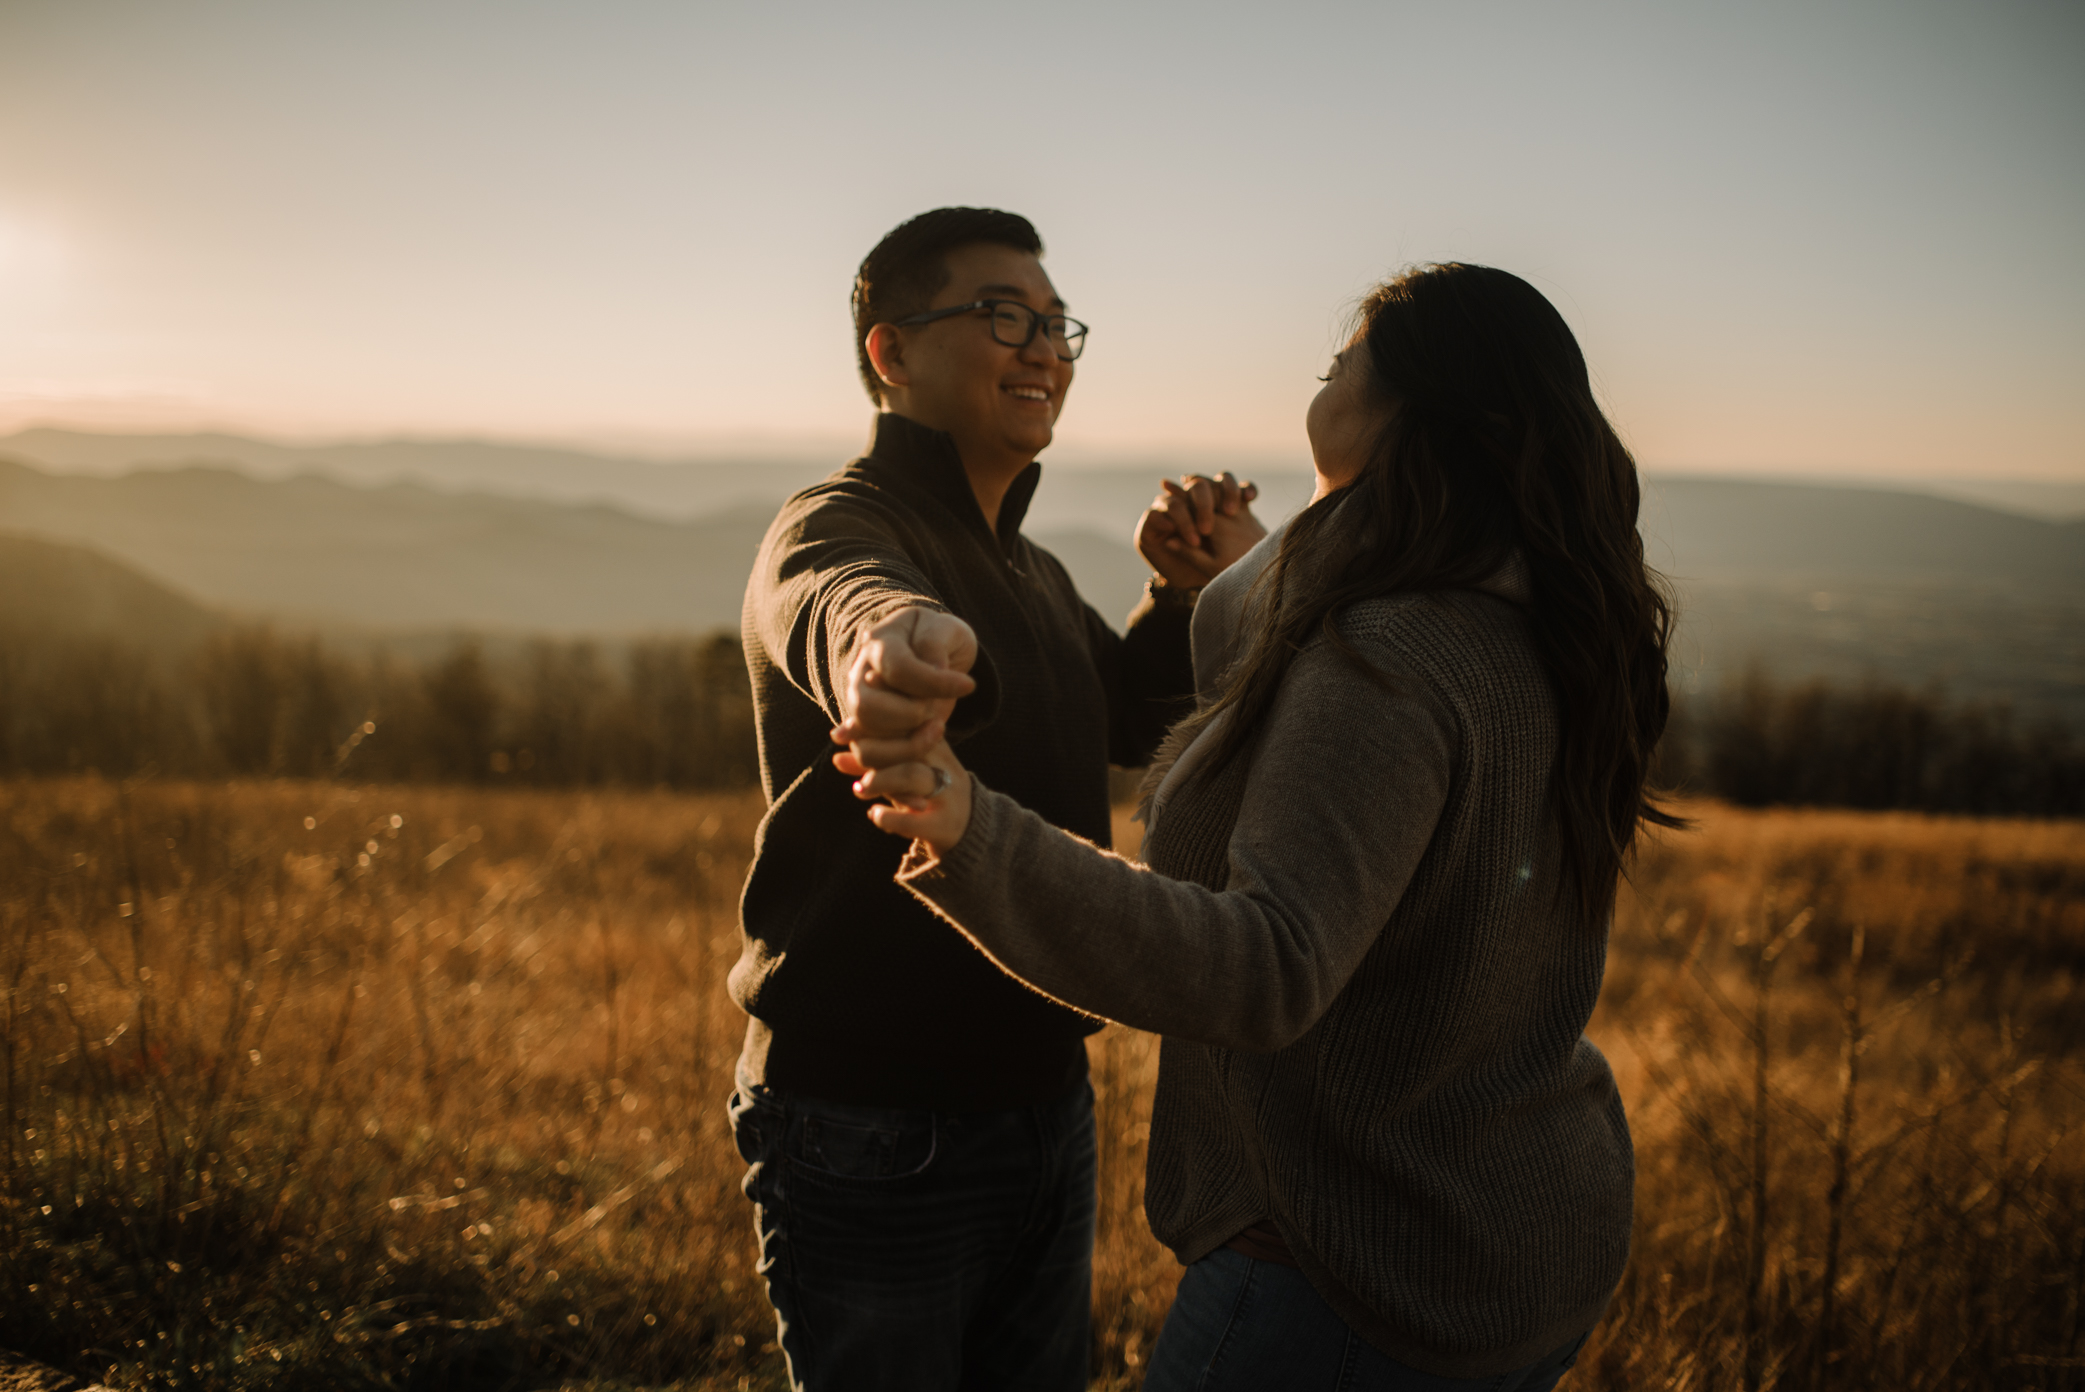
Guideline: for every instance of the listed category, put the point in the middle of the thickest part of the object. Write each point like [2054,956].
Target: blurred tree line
[252,702]
[1876,746]
[677,713]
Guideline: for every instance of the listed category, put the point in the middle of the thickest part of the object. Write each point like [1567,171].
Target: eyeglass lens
[1015,326]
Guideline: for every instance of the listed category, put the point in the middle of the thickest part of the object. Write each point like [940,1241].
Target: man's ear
[886,349]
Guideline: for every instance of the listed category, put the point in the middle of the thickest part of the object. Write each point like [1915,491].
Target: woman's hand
[929,797]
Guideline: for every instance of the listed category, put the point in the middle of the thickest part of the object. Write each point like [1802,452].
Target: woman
[1381,869]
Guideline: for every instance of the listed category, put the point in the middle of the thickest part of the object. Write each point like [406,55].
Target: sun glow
[33,256]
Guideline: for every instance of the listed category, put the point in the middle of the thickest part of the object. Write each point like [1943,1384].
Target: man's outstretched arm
[837,589]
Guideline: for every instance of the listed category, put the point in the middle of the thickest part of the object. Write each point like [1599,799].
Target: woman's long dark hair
[1494,448]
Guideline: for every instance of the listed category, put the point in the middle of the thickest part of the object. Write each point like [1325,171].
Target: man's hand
[1198,526]
[907,675]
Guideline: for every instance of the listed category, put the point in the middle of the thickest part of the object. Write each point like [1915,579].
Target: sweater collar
[929,458]
[1511,581]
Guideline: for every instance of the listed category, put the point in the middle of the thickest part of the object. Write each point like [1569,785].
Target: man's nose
[1040,350]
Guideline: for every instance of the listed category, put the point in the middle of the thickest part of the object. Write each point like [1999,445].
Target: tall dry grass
[1851,1047]
[315,1086]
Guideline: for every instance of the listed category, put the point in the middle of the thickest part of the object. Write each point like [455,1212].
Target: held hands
[1196,527]
[906,677]
[929,798]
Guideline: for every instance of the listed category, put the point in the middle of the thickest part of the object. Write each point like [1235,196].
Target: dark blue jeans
[922,1251]
[1240,1325]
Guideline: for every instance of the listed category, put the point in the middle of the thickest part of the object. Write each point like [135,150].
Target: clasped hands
[911,668]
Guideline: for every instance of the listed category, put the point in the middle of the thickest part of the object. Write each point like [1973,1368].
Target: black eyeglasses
[1015,325]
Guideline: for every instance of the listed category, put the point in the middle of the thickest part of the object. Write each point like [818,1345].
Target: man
[917,1124]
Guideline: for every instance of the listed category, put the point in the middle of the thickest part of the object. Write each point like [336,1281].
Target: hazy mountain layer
[1728,529]
[61,587]
[523,471]
[402,555]
[1839,581]
[687,488]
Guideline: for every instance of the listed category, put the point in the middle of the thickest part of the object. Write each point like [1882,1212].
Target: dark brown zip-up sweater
[857,992]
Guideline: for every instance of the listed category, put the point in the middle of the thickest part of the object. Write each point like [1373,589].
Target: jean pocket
[753,1126]
[860,1148]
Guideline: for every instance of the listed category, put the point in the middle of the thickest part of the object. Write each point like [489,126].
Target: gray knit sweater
[1372,999]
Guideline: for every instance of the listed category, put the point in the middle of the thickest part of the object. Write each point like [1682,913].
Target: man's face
[993,399]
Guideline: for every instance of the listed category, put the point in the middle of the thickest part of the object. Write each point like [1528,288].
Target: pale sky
[1832,238]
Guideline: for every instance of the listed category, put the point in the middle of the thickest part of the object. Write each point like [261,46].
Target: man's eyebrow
[984,290]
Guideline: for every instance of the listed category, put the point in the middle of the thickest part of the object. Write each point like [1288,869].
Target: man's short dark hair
[909,267]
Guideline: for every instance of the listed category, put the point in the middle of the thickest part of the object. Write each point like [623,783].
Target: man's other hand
[1197,526]
[907,675]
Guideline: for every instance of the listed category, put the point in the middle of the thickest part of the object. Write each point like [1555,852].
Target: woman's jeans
[922,1251]
[1240,1325]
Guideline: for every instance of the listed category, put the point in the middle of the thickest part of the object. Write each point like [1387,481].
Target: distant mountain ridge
[64,588]
[394,554]
[1840,580]
[1729,529]
[400,555]
[688,487]
[547,473]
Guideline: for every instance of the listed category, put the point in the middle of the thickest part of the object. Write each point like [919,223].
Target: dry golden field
[313,1086]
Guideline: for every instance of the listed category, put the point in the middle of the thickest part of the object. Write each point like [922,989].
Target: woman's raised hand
[928,798]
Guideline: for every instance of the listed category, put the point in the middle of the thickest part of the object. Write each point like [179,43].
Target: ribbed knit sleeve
[1373,991]
[1340,800]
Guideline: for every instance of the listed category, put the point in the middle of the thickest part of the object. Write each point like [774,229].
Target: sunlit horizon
[1831,244]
